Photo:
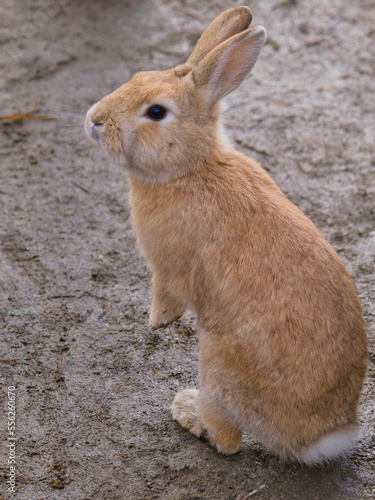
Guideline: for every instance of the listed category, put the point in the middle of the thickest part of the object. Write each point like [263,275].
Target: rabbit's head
[165,124]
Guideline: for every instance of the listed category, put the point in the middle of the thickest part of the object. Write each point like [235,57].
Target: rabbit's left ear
[225,67]
[228,23]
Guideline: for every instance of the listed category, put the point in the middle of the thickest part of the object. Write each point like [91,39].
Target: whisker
[91,163]
[77,134]
[94,154]
[88,88]
[74,143]
[70,133]
[94,151]
[78,124]
[117,164]
[66,113]
[79,109]
[73,126]
[75,106]
[87,104]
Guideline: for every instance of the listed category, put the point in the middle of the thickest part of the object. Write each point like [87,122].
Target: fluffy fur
[283,350]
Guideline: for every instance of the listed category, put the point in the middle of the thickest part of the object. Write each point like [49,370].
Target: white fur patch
[330,446]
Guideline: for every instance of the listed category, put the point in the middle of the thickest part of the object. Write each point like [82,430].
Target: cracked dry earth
[93,384]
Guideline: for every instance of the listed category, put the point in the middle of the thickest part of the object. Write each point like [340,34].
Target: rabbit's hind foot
[219,432]
[184,411]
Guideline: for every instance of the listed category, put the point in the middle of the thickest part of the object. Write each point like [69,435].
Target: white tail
[331,446]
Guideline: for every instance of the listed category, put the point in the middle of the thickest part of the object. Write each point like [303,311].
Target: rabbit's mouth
[94,130]
[94,124]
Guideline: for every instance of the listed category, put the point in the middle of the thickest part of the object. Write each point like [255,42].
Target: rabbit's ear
[224,68]
[226,25]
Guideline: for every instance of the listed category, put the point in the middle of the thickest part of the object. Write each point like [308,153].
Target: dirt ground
[93,383]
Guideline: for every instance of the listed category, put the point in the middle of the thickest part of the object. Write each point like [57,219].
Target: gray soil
[93,383]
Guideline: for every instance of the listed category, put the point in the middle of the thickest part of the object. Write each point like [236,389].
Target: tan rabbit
[283,350]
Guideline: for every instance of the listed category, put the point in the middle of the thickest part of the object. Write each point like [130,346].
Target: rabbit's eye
[157,112]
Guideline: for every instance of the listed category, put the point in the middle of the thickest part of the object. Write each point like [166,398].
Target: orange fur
[283,350]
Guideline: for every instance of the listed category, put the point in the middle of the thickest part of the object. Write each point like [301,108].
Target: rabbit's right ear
[226,25]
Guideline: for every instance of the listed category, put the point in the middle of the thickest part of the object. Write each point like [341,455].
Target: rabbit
[283,349]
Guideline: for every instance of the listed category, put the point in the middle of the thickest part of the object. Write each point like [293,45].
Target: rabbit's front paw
[184,411]
[163,318]
[166,307]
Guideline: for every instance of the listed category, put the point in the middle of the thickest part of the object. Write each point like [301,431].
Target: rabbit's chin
[156,172]
[150,176]
[142,174]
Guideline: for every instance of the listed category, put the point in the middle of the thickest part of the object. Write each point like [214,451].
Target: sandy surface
[93,382]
